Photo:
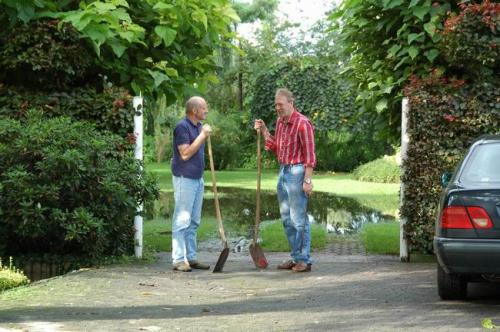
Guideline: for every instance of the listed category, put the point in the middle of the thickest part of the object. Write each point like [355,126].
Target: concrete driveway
[343,293]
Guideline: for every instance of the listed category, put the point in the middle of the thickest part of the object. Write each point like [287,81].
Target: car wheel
[450,286]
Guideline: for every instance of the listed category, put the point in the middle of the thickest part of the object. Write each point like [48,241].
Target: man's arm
[306,137]
[186,151]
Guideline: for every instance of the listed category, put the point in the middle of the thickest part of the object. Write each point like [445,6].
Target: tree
[153,46]
[385,42]
[231,61]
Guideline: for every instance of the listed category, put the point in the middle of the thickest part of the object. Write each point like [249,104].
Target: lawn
[158,234]
[382,238]
[274,239]
[382,197]
[379,196]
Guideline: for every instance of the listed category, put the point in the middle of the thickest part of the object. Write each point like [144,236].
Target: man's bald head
[194,103]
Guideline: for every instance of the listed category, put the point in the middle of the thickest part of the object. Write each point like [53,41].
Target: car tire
[450,286]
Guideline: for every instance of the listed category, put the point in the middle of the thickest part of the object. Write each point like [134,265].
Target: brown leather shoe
[182,267]
[198,265]
[288,265]
[302,267]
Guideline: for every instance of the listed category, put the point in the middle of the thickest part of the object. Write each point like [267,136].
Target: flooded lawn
[339,215]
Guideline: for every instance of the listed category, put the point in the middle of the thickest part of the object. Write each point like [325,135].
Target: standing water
[337,214]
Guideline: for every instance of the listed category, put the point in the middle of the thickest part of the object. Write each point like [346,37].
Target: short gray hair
[193,102]
[285,93]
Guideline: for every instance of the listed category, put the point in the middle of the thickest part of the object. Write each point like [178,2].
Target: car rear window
[483,166]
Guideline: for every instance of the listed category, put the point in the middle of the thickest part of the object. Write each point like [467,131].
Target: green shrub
[384,170]
[227,145]
[446,118]
[343,151]
[11,277]
[449,110]
[44,56]
[109,110]
[149,149]
[470,39]
[66,187]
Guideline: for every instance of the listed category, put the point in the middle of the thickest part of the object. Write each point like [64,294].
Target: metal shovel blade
[222,260]
[258,257]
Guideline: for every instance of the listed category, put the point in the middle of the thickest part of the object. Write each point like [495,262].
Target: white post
[403,244]
[138,109]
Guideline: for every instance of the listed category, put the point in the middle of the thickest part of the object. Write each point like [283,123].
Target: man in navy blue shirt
[188,163]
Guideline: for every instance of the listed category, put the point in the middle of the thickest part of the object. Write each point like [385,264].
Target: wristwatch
[307,180]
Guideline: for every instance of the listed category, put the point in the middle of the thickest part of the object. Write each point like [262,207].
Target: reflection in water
[339,215]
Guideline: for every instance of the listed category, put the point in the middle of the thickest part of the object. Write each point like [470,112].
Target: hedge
[385,170]
[444,120]
[449,110]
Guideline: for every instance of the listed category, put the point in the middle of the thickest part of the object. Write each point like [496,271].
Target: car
[467,238]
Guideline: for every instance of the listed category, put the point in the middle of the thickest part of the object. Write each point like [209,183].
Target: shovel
[225,252]
[256,251]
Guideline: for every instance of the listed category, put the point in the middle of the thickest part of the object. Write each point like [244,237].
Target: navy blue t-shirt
[185,132]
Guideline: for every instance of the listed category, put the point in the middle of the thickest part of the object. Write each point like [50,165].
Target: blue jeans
[293,209]
[188,196]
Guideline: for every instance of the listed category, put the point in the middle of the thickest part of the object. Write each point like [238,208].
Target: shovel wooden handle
[216,198]
[257,199]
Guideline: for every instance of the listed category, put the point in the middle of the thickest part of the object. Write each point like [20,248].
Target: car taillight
[455,217]
[465,217]
[479,217]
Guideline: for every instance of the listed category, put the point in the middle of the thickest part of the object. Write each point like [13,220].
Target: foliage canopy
[385,42]
[153,46]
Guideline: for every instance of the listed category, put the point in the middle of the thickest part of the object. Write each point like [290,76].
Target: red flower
[131,138]
[449,117]
[457,83]
[118,103]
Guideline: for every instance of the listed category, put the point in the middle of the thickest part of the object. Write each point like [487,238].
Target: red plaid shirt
[293,142]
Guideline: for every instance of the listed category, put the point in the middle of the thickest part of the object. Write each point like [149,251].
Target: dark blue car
[467,241]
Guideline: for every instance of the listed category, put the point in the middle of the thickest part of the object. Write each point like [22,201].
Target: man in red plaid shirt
[293,144]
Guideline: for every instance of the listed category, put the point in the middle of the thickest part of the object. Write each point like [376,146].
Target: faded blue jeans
[188,196]
[293,208]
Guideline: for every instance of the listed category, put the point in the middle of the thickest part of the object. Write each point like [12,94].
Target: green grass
[382,197]
[382,238]
[274,239]
[158,233]
[158,236]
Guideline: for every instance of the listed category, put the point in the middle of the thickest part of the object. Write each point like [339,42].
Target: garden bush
[446,117]
[449,110]
[44,56]
[344,151]
[110,109]
[470,39]
[11,277]
[383,169]
[227,139]
[66,187]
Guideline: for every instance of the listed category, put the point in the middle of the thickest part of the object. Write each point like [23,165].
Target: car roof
[488,139]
